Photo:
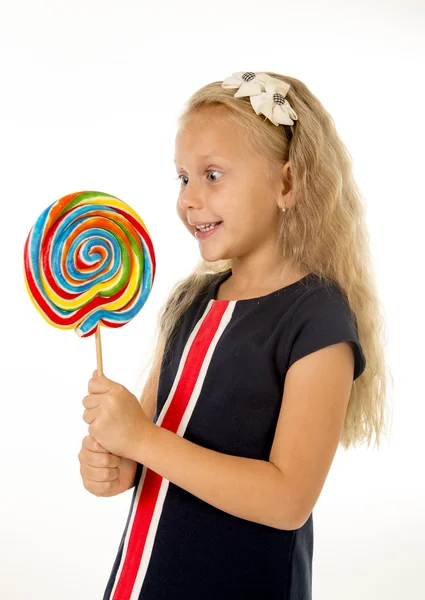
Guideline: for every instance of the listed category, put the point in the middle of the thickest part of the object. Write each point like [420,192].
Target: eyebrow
[205,156]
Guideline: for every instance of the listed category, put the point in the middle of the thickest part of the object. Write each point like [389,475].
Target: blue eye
[209,171]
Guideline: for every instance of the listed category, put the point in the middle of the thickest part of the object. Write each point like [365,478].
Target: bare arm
[247,488]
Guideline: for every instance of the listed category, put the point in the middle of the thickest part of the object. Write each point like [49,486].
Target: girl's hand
[115,417]
[103,473]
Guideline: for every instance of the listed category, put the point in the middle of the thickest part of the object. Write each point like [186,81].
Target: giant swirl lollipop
[89,261]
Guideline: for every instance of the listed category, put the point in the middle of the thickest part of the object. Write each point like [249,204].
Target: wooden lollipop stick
[99,352]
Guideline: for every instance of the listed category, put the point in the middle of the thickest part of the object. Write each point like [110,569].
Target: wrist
[140,447]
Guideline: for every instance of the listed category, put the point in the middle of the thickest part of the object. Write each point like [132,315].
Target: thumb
[95,374]
[99,384]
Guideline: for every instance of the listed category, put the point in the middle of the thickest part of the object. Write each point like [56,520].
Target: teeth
[206,227]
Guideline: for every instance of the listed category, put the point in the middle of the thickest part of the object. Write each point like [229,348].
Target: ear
[286,180]
[287,174]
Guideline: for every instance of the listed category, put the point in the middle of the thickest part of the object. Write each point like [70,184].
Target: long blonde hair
[324,232]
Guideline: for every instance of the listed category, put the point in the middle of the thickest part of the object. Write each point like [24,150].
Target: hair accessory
[267,96]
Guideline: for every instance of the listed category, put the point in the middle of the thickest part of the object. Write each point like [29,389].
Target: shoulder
[321,298]
[321,317]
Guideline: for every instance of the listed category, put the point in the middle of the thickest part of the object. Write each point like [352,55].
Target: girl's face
[221,180]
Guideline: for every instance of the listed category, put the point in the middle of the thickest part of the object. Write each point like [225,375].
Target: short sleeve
[323,318]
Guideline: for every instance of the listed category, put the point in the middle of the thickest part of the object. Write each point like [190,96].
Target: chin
[211,255]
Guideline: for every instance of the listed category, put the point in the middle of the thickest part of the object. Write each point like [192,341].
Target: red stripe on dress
[152,483]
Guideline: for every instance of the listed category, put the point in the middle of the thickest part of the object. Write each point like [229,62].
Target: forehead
[204,137]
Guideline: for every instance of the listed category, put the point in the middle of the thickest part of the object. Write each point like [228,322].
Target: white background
[89,96]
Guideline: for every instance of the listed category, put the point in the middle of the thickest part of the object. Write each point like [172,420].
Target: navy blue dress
[221,387]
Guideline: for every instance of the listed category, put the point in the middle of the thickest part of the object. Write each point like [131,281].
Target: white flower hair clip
[267,96]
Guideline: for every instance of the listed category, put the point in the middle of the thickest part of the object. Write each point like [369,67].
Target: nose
[191,197]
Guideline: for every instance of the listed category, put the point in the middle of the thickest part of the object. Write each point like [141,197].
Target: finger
[89,415]
[99,385]
[92,429]
[91,401]
[99,473]
[98,459]
[91,444]
[102,488]
[103,460]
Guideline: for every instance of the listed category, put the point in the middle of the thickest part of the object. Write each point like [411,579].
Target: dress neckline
[274,294]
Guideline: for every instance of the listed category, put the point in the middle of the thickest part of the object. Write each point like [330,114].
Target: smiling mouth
[205,233]
[210,227]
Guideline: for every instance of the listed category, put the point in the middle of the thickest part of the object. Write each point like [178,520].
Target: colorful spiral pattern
[89,261]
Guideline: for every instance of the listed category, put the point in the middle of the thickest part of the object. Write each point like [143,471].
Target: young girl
[269,355]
